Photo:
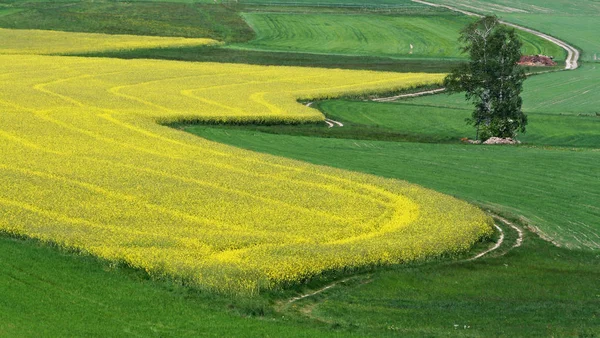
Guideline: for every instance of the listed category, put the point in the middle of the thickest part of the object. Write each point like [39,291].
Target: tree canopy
[491,79]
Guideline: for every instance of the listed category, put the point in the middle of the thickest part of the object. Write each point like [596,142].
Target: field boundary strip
[330,5]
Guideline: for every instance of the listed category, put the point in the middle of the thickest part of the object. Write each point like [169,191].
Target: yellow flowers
[28,41]
[84,164]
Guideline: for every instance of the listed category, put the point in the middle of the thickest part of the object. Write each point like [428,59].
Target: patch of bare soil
[537,61]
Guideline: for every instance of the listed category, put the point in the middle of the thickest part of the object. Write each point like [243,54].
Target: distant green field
[136,18]
[291,2]
[259,57]
[580,7]
[349,32]
[563,93]
[330,2]
[577,22]
[440,124]
[563,110]
[9,11]
[369,34]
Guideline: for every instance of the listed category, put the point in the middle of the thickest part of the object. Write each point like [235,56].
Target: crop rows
[86,165]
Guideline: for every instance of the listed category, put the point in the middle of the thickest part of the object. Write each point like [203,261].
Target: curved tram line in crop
[88,166]
[500,244]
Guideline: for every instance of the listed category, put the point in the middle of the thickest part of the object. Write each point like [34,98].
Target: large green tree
[491,79]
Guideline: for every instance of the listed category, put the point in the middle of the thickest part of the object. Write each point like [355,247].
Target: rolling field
[380,35]
[537,290]
[174,205]
[572,21]
[266,58]
[114,224]
[357,34]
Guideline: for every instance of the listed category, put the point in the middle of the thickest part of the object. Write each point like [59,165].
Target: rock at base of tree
[499,140]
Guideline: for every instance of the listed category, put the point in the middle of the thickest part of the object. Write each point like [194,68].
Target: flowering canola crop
[86,165]
[33,41]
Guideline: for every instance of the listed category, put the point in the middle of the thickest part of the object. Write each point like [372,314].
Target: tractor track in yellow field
[500,243]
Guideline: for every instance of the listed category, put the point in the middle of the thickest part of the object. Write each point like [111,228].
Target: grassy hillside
[560,93]
[535,289]
[55,294]
[556,190]
[367,38]
[573,21]
[357,34]
[258,57]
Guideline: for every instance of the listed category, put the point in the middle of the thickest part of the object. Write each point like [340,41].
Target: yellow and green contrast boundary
[87,165]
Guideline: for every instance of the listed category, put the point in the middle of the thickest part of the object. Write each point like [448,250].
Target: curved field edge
[88,167]
[428,225]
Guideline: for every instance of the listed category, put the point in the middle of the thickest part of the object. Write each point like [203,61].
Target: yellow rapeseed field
[31,41]
[86,164]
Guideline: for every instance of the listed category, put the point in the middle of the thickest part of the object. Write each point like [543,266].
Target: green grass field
[563,111]
[258,57]
[55,294]
[380,35]
[534,291]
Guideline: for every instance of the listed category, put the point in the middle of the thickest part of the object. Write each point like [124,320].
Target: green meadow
[379,35]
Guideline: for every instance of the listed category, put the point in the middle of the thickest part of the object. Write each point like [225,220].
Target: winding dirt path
[571,62]
[330,123]
[316,292]
[496,246]
[393,98]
